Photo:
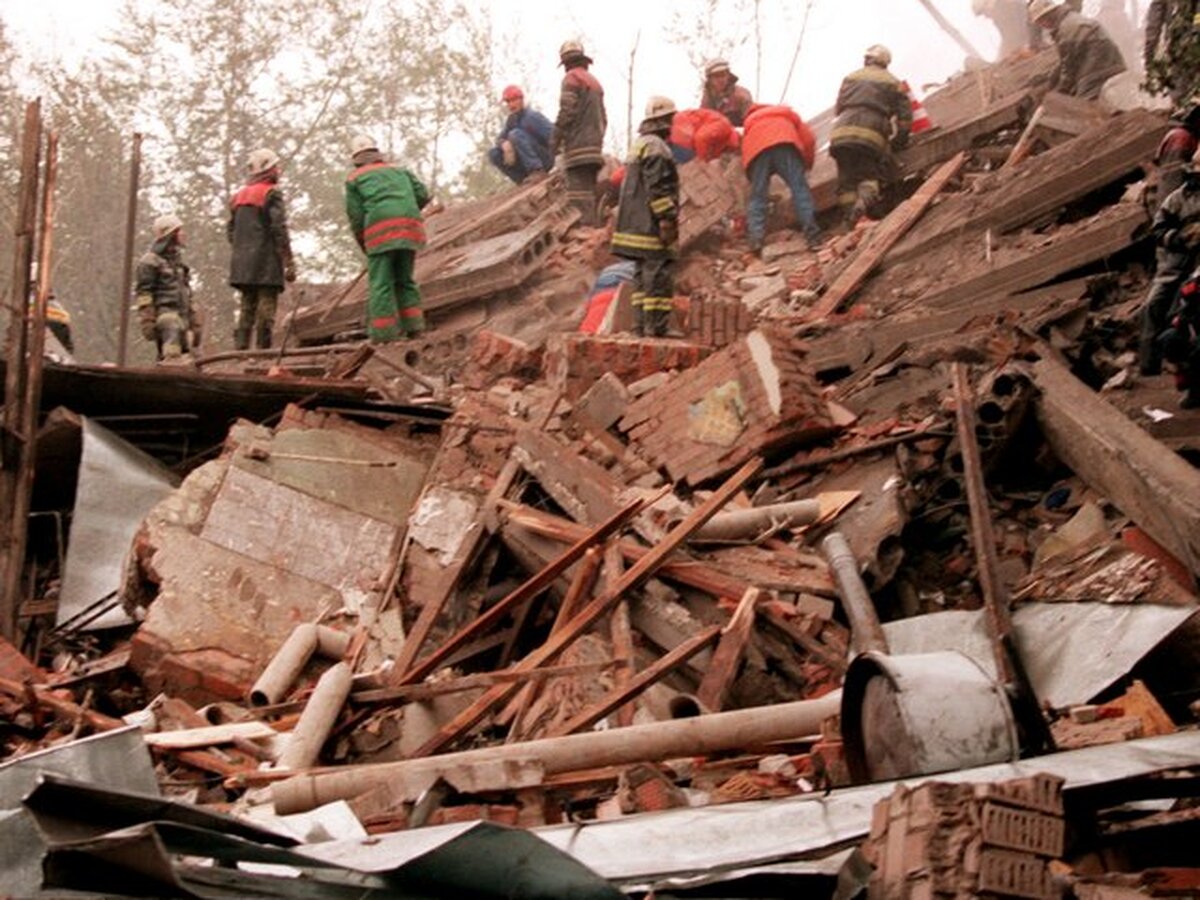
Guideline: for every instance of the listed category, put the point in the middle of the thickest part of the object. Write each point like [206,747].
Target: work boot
[657,320]
[813,240]
[264,336]
[639,321]
[1190,400]
[241,337]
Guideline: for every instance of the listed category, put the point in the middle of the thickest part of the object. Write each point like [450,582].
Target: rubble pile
[893,509]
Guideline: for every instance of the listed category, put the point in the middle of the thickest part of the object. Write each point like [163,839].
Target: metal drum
[921,714]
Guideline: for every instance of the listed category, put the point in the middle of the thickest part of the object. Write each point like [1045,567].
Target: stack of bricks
[944,840]
[495,356]
[574,362]
[715,322]
[755,396]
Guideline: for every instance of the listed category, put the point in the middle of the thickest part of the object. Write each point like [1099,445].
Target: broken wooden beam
[633,578]
[652,674]
[882,238]
[727,659]
[1156,488]
[522,594]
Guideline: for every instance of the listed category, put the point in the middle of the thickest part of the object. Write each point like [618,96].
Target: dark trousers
[864,175]
[256,317]
[653,295]
[531,156]
[581,191]
[785,161]
[1172,269]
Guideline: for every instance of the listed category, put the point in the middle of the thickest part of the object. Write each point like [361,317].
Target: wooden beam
[1157,489]
[621,629]
[634,578]
[727,659]
[621,695]
[525,592]
[882,238]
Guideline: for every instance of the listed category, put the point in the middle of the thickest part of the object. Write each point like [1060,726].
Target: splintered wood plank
[633,578]
[883,238]
[727,659]
[621,629]
[651,675]
[525,592]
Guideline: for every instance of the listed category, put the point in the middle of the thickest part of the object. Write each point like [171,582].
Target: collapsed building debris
[866,517]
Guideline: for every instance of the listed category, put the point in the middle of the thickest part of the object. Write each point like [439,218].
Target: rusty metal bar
[12,448]
[135,171]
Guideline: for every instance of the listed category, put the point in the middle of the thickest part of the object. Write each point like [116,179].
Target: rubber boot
[264,335]
[639,320]
[241,337]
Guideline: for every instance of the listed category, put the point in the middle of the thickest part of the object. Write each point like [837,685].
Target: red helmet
[512,92]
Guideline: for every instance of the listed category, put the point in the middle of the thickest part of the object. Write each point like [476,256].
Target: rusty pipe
[747,524]
[317,720]
[490,766]
[866,633]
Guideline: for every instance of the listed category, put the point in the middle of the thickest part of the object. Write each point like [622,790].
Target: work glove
[147,318]
[509,152]
[289,271]
[668,231]
[900,141]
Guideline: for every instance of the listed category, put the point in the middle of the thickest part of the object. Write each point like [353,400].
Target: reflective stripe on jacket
[649,195]
[383,204]
[869,101]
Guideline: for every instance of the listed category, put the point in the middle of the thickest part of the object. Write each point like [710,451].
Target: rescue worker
[523,148]
[579,129]
[261,259]
[874,117]
[1178,146]
[1171,48]
[776,142]
[703,133]
[164,293]
[1087,56]
[647,229]
[723,93]
[1176,231]
[384,203]
[1012,22]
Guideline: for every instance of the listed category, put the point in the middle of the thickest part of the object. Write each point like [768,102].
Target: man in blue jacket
[523,147]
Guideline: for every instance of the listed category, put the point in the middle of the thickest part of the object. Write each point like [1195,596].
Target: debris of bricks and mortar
[479,586]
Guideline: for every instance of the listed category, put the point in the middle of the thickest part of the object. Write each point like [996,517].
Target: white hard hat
[572,50]
[166,224]
[362,142]
[1039,9]
[660,107]
[715,65]
[262,160]
[879,54]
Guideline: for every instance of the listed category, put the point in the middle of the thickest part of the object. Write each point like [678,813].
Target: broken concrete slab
[574,362]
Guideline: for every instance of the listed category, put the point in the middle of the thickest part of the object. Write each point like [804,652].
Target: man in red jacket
[776,142]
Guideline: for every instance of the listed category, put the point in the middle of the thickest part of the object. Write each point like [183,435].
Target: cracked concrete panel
[283,527]
[720,416]
[335,470]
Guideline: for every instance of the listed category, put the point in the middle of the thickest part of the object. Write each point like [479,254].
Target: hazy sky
[838,31]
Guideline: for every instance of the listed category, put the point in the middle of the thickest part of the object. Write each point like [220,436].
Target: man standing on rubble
[1176,231]
[164,293]
[723,93]
[777,142]
[874,118]
[1087,55]
[647,229]
[261,260]
[523,148]
[384,203]
[579,129]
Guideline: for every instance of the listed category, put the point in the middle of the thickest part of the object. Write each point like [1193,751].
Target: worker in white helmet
[164,293]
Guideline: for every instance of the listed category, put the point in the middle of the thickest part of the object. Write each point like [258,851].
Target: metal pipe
[698,736]
[866,634]
[135,170]
[317,720]
[747,524]
[285,666]
[331,643]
